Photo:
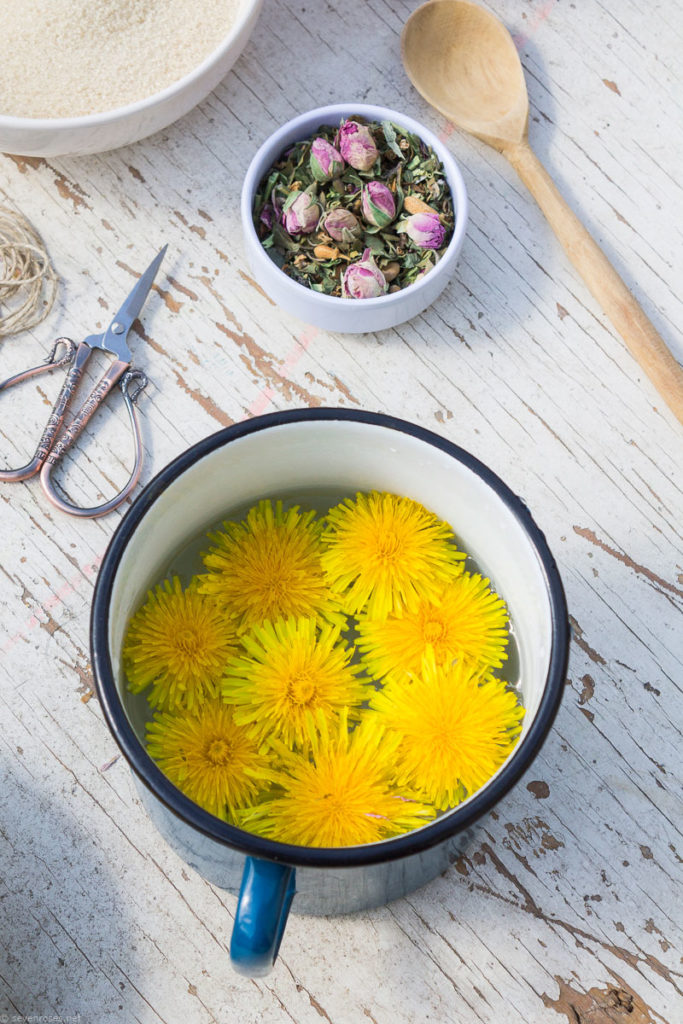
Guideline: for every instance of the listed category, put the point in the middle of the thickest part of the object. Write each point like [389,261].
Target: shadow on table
[64,920]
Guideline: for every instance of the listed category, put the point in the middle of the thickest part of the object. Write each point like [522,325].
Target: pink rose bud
[363,280]
[300,214]
[267,215]
[325,162]
[342,225]
[424,229]
[378,204]
[357,145]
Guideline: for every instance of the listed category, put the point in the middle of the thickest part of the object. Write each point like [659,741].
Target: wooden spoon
[464,62]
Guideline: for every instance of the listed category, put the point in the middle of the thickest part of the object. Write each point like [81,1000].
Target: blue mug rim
[252,845]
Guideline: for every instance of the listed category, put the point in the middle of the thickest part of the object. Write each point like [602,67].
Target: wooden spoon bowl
[465,64]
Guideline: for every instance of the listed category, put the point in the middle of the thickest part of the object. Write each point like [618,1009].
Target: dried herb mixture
[355,211]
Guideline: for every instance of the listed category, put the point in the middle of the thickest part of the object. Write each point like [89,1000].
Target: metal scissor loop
[55,442]
[131,384]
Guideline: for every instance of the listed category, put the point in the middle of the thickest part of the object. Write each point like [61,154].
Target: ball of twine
[28,283]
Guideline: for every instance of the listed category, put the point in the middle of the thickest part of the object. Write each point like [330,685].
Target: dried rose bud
[357,145]
[424,229]
[300,214]
[325,161]
[342,225]
[267,215]
[378,204]
[364,279]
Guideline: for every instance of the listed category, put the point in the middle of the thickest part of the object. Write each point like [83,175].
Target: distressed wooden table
[564,905]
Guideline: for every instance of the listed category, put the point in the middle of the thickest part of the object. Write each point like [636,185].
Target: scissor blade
[114,338]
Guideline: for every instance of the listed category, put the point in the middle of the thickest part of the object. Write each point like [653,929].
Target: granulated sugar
[65,58]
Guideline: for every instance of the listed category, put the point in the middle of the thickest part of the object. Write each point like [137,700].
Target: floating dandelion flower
[339,796]
[455,731]
[268,567]
[208,756]
[291,674]
[384,552]
[467,620]
[178,643]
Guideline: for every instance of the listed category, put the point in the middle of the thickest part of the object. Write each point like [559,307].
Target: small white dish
[350,316]
[96,133]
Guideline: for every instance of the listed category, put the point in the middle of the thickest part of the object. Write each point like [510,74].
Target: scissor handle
[78,357]
[117,371]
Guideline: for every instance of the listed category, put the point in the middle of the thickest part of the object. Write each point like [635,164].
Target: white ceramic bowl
[95,133]
[352,316]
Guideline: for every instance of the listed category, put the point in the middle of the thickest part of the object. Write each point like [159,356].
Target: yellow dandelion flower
[208,756]
[178,643]
[455,730]
[467,620]
[292,673]
[384,552]
[339,796]
[268,567]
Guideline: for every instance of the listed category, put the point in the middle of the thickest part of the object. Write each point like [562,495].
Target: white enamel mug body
[336,451]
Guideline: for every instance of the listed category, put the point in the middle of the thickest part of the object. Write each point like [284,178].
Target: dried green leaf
[390,136]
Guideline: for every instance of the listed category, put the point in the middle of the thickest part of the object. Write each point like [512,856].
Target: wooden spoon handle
[607,287]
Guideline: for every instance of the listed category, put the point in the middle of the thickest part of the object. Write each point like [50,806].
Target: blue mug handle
[262,910]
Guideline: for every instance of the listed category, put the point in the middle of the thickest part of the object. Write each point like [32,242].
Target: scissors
[65,352]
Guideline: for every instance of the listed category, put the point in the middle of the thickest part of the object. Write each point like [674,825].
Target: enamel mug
[333,451]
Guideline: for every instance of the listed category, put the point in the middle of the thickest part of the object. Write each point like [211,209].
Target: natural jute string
[28,283]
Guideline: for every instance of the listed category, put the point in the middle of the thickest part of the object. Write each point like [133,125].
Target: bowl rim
[249,9]
[272,146]
[408,843]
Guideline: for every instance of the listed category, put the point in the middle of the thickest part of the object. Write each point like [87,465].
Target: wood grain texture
[644,343]
[476,80]
[563,906]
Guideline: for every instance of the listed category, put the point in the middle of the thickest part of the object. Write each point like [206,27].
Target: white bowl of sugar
[84,76]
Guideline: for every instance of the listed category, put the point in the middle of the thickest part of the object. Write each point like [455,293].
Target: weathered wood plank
[562,905]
